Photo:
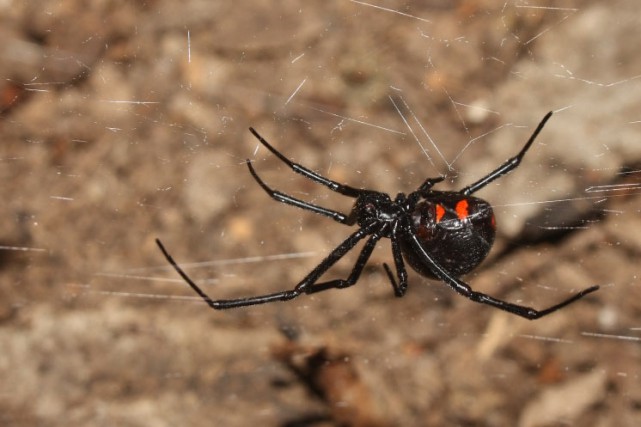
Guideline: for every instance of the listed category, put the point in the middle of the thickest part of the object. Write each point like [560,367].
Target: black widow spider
[441,234]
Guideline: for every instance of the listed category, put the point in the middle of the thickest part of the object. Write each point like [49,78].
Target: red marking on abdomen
[461,209]
[440,211]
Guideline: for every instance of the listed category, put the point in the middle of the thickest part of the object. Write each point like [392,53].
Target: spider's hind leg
[464,289]
[429,183]
[509,165]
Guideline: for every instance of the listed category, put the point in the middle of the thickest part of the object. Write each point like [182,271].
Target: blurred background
[125,121]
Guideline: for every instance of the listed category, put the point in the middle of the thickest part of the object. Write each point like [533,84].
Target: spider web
[123,122]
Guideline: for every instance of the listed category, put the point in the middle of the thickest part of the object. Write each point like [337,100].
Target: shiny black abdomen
[456,230]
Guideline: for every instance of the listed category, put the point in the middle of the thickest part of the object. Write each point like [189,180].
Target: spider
[440,234]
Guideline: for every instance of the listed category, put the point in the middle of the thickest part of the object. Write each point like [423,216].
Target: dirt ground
[126,121]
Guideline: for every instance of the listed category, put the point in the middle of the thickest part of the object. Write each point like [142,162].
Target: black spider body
[441,234]
[457,231]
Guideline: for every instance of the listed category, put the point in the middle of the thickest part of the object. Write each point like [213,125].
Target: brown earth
[126,121]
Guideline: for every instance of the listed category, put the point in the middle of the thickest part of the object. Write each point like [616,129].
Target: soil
[125,121]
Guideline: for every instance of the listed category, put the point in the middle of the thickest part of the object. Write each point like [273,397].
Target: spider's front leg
[308,285]
[345,190]
[292,201]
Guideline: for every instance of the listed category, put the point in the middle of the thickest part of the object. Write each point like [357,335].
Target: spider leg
[400,287]
[284,198]
[354,275]
[345,190]
[428,184]
[509,165]
[464,289]
[184,275]
[304,286]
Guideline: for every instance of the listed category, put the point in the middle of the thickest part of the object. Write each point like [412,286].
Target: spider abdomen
[457,231]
